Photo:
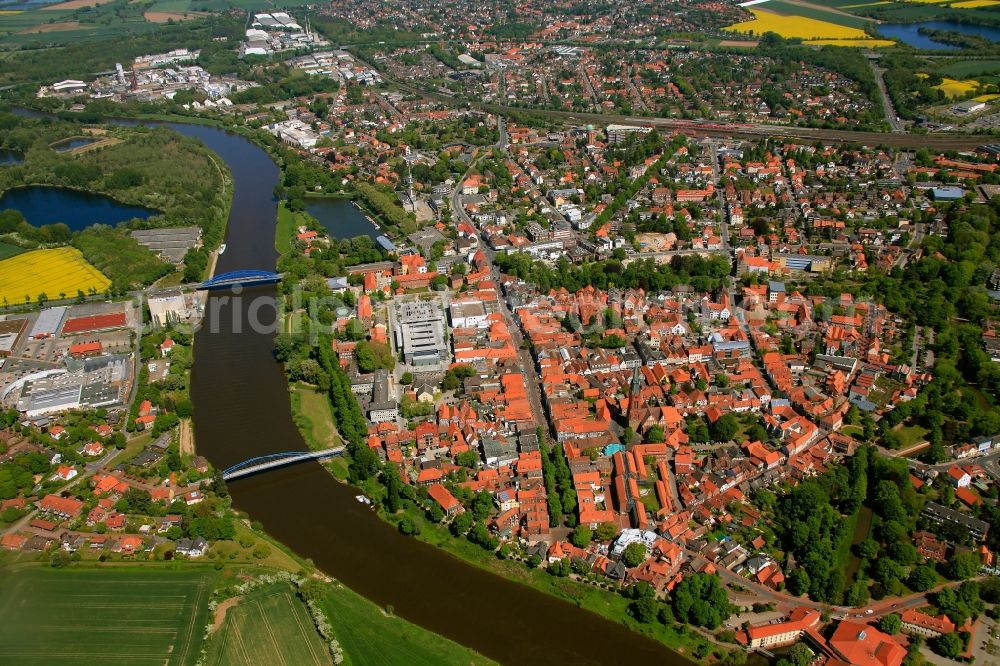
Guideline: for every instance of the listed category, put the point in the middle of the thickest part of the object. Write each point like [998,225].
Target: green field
[7,250]
[285,230]
[963,69]
[312,412]
[369,637]
[91,616]
[268,626]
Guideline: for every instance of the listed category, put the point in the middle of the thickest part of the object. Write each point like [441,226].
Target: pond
[10,157]
[341,218]
[41,204]
[72,143]
[909,33]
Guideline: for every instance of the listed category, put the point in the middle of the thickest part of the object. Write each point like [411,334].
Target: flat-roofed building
[420,332]
[48,323]
[11,331]
[382,407]
[468,314]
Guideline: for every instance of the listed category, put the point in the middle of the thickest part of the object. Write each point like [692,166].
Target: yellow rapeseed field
[795,26]
[52,272]
[986,98]
[954,88]
[974,4]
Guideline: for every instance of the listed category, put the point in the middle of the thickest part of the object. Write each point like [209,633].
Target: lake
[10,157]
[41,204]
[341,218]
[908,33]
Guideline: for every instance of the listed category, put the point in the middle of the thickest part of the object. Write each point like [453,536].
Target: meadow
[7,250]
[89,616]
[60,272]
[369,637]
[268,626]
[312,413]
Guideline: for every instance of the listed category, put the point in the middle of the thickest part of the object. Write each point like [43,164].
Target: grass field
[110,616]
[910,435]
[312,411]
[52,272]
[863,43]
[269,626]
[7,250]
[961,69]
[371,638]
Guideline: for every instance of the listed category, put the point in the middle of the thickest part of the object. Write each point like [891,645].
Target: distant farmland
[103,616]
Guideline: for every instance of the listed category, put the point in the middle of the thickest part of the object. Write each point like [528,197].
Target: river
[242,409]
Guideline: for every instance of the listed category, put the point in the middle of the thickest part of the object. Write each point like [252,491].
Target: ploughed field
[103,616]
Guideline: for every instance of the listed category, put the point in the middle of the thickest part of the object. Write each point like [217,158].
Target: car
[869,611]
[895,605]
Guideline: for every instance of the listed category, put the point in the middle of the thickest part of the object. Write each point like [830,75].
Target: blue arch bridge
[263,463]
[245,278]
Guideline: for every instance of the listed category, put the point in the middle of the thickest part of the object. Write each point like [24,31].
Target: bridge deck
[238,471]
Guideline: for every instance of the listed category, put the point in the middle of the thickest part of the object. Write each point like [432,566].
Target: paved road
[527,363]
[890,111]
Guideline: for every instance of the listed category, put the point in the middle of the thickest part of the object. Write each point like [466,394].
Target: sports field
[103,616]
[269,627]
[52,272]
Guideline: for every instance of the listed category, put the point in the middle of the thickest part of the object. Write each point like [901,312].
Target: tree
[725,428]
[634,555]
[868,549]
[643,609]
[964,564]
[655,434]
[581,536]
[921,579]
[890,624]
[700,600]
[948,645]
[59,559]
[798,655]
[407,378]
[605,532]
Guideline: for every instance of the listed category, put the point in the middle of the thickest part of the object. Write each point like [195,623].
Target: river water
[242,409]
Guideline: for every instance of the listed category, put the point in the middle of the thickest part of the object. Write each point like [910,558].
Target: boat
[362,499]
[222,248]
